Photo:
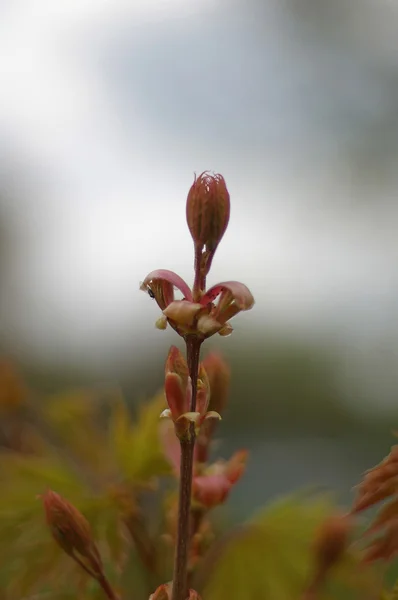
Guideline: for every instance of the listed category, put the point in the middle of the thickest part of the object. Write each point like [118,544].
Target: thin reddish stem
[199,285]
[180,577]
[106,586]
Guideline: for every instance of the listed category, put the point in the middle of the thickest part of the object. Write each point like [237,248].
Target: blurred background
[106,111]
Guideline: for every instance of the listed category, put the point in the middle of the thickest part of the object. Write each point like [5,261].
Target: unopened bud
[177,385]
[331,541]
[209,491]
[208,210]
[71,531]
[219,374]
[176,363]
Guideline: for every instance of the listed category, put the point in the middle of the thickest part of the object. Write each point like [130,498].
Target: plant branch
[180,576]
[200,278]
[106,586]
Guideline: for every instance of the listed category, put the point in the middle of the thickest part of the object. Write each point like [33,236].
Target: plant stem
[180,576]
[200,279]
[106,586]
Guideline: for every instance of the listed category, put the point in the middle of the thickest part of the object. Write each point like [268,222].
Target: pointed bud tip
[208,210]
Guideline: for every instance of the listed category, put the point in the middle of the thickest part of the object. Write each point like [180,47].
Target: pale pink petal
[172,278]
[241,295]
[211,490]
[176,396]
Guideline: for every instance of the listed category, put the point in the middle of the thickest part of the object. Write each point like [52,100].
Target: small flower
[72,532]
[178,392]
[212,487]
[204,318]
[208,210]
[211,490]
[200,313]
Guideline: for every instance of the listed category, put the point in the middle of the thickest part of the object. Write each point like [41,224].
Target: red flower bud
[72,532]
[213,486]
[210,490]
[176,363]
[177,386]
[219,374]
[208,210]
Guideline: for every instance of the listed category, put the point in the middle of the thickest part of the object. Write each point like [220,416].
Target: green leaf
[270,558]
[137,446]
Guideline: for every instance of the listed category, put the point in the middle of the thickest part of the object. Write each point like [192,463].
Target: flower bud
[212,486]
[331,541]
[176,363]
[208,210]
[177,386]
[210,490]
[219,374]
[71,531]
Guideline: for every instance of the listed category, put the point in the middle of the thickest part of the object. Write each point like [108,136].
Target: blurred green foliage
[109,462]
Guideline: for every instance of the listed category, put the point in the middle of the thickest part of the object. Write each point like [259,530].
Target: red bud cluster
[178,392]
[195,393]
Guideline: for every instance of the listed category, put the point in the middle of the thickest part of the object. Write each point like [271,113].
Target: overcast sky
[108,108]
